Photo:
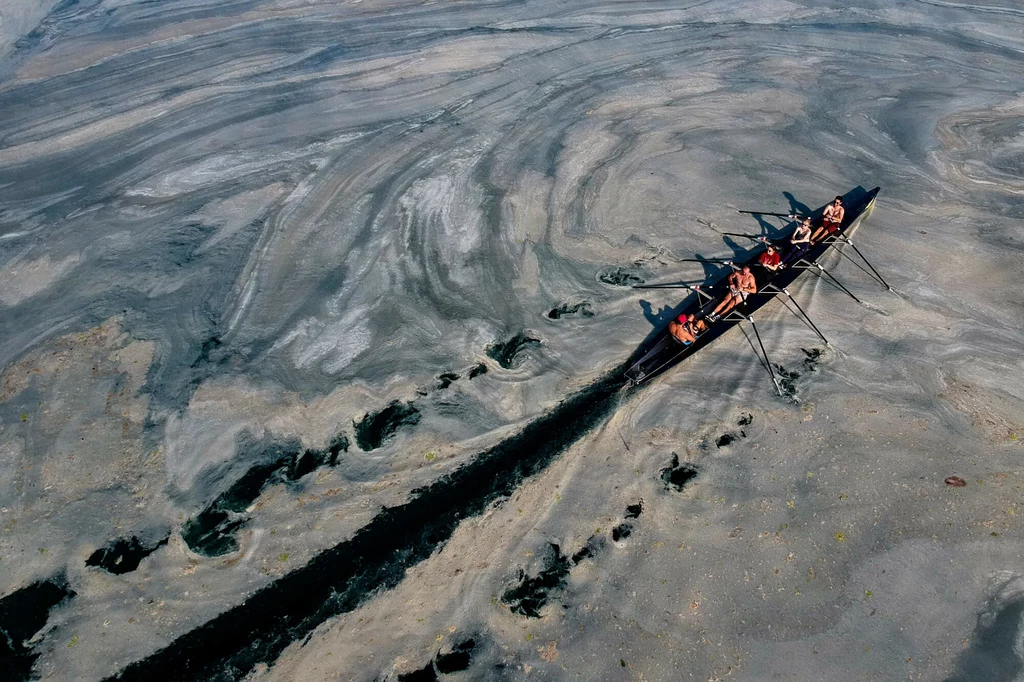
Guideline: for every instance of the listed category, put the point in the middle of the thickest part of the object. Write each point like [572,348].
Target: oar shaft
[806,319]
[778,215]
[661,286]
[755,237]
[674,285]
[880,279]
[838,283]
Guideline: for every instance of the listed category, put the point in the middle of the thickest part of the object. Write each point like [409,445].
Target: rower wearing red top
[741,285]
[770,259]
[831,219]
[683,330]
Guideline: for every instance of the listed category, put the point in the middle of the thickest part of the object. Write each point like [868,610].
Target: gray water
[257,222]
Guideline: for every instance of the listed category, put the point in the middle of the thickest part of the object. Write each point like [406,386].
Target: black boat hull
[662,352]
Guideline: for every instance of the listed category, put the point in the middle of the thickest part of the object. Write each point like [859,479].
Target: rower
[831,219]
[683,330]
[741,285]
[770,259]
[799,241]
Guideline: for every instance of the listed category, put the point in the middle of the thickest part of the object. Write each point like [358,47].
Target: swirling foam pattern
[276,217]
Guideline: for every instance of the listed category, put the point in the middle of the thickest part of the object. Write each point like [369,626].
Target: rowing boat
[662,351]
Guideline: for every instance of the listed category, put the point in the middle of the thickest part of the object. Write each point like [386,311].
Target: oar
[712,261]
[779,215]
[672,285]
[755,237]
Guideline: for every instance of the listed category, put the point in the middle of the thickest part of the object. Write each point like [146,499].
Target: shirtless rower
[831,219]
[799,241]
[770,259]
[741,285]
[683,330]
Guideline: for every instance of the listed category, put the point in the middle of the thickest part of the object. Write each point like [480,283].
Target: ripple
[984,149]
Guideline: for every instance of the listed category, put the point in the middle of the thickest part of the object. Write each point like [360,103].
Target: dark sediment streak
[620,277]
[376,428]
[22,614]
[211,533]
[424,674]
[993,655]
[123,555]
[457,660]
[506,353]
[565,310]
[377,557]
[594,545]
[677,475]
[725,439]
[445,380]
[531,594]
[622,531]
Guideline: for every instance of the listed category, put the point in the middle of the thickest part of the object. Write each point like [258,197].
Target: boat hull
[662,352]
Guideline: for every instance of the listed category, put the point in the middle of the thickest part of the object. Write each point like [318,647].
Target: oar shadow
[766,227]
[767,230]
[738,250]
[715,271]
[851,198]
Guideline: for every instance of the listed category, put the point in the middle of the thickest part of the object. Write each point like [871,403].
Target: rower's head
[771,248]
[838,201]
[684,318]
[746,270]
[807,221]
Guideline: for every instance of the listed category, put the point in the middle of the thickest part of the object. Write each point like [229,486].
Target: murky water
[236,235]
